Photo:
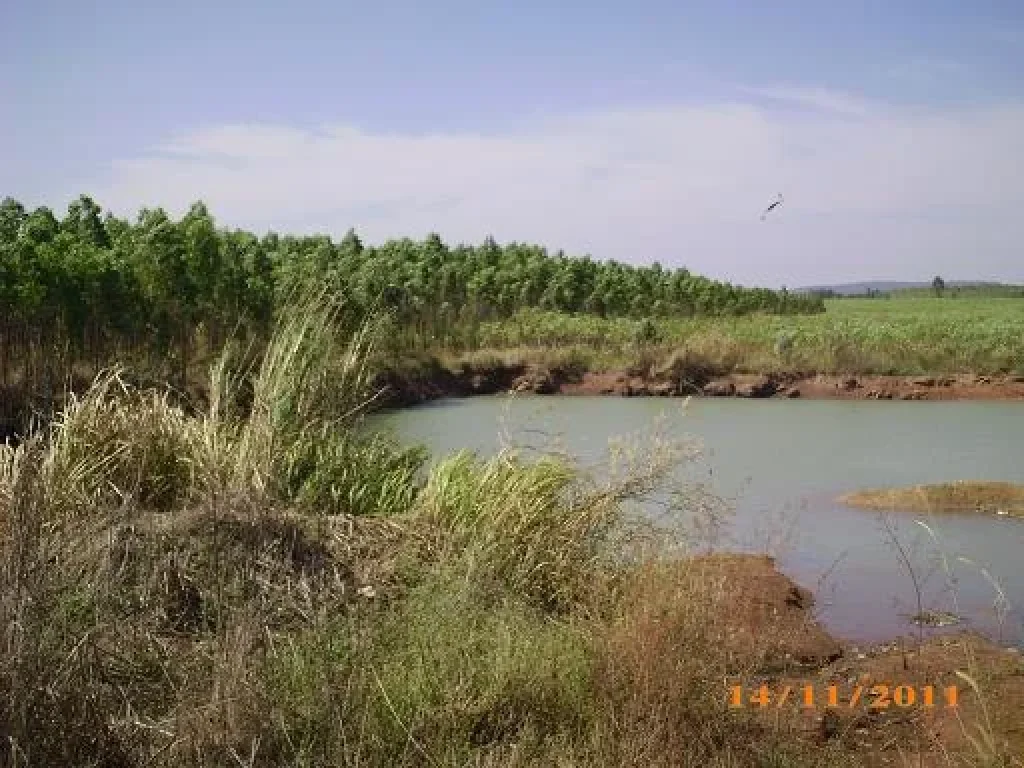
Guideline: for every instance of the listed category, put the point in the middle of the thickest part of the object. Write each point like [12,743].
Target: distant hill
[888,286]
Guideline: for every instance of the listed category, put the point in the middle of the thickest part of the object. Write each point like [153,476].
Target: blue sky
[637,131]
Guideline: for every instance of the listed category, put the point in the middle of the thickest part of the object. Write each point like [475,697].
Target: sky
[654,130]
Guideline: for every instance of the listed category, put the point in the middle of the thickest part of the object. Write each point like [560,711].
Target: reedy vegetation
[268,582]
[182,589]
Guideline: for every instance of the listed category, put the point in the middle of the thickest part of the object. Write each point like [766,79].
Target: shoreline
[803,655]
[405,388]
[425,381]
[813,386]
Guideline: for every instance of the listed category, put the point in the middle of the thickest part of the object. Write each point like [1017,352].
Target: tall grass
[899,336]
[145,546]
[266,582]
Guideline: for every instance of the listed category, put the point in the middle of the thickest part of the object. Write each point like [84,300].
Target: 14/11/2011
[880,696]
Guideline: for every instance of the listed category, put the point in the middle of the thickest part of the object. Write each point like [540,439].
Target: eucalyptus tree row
[90,287]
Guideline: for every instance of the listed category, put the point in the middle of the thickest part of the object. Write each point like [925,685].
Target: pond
[782,464]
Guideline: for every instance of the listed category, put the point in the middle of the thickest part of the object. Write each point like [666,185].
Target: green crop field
[898,336]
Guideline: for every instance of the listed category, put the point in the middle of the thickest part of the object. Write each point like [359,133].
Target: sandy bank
[1004,499]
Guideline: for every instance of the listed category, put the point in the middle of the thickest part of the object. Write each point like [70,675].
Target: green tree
[94,285]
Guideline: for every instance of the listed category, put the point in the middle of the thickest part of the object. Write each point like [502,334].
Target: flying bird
[772,207]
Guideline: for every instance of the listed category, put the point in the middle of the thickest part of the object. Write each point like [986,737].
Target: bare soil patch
[772,622]
[811,386]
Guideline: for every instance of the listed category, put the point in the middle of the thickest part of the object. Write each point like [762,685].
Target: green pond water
[780,465]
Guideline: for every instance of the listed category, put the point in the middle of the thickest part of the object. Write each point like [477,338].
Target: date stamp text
[814,696]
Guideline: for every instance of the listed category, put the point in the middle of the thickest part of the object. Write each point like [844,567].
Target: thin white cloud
[870,191]
[821,99]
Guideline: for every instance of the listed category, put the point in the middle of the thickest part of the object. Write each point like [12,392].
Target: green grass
[880,336]
[1005,290]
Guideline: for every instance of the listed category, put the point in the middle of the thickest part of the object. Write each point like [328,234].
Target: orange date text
[814,696]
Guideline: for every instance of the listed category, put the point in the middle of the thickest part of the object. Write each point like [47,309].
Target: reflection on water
[782,464]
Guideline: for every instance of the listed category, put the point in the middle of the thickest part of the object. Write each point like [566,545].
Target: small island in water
[1004,499]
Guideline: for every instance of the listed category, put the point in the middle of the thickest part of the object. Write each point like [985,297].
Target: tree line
[92,287]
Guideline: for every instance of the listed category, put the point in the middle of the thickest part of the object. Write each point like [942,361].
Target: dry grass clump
[661,668]
[689,369]
[114,446]
[961,496]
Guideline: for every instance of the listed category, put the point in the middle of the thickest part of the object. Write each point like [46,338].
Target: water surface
[782,464]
